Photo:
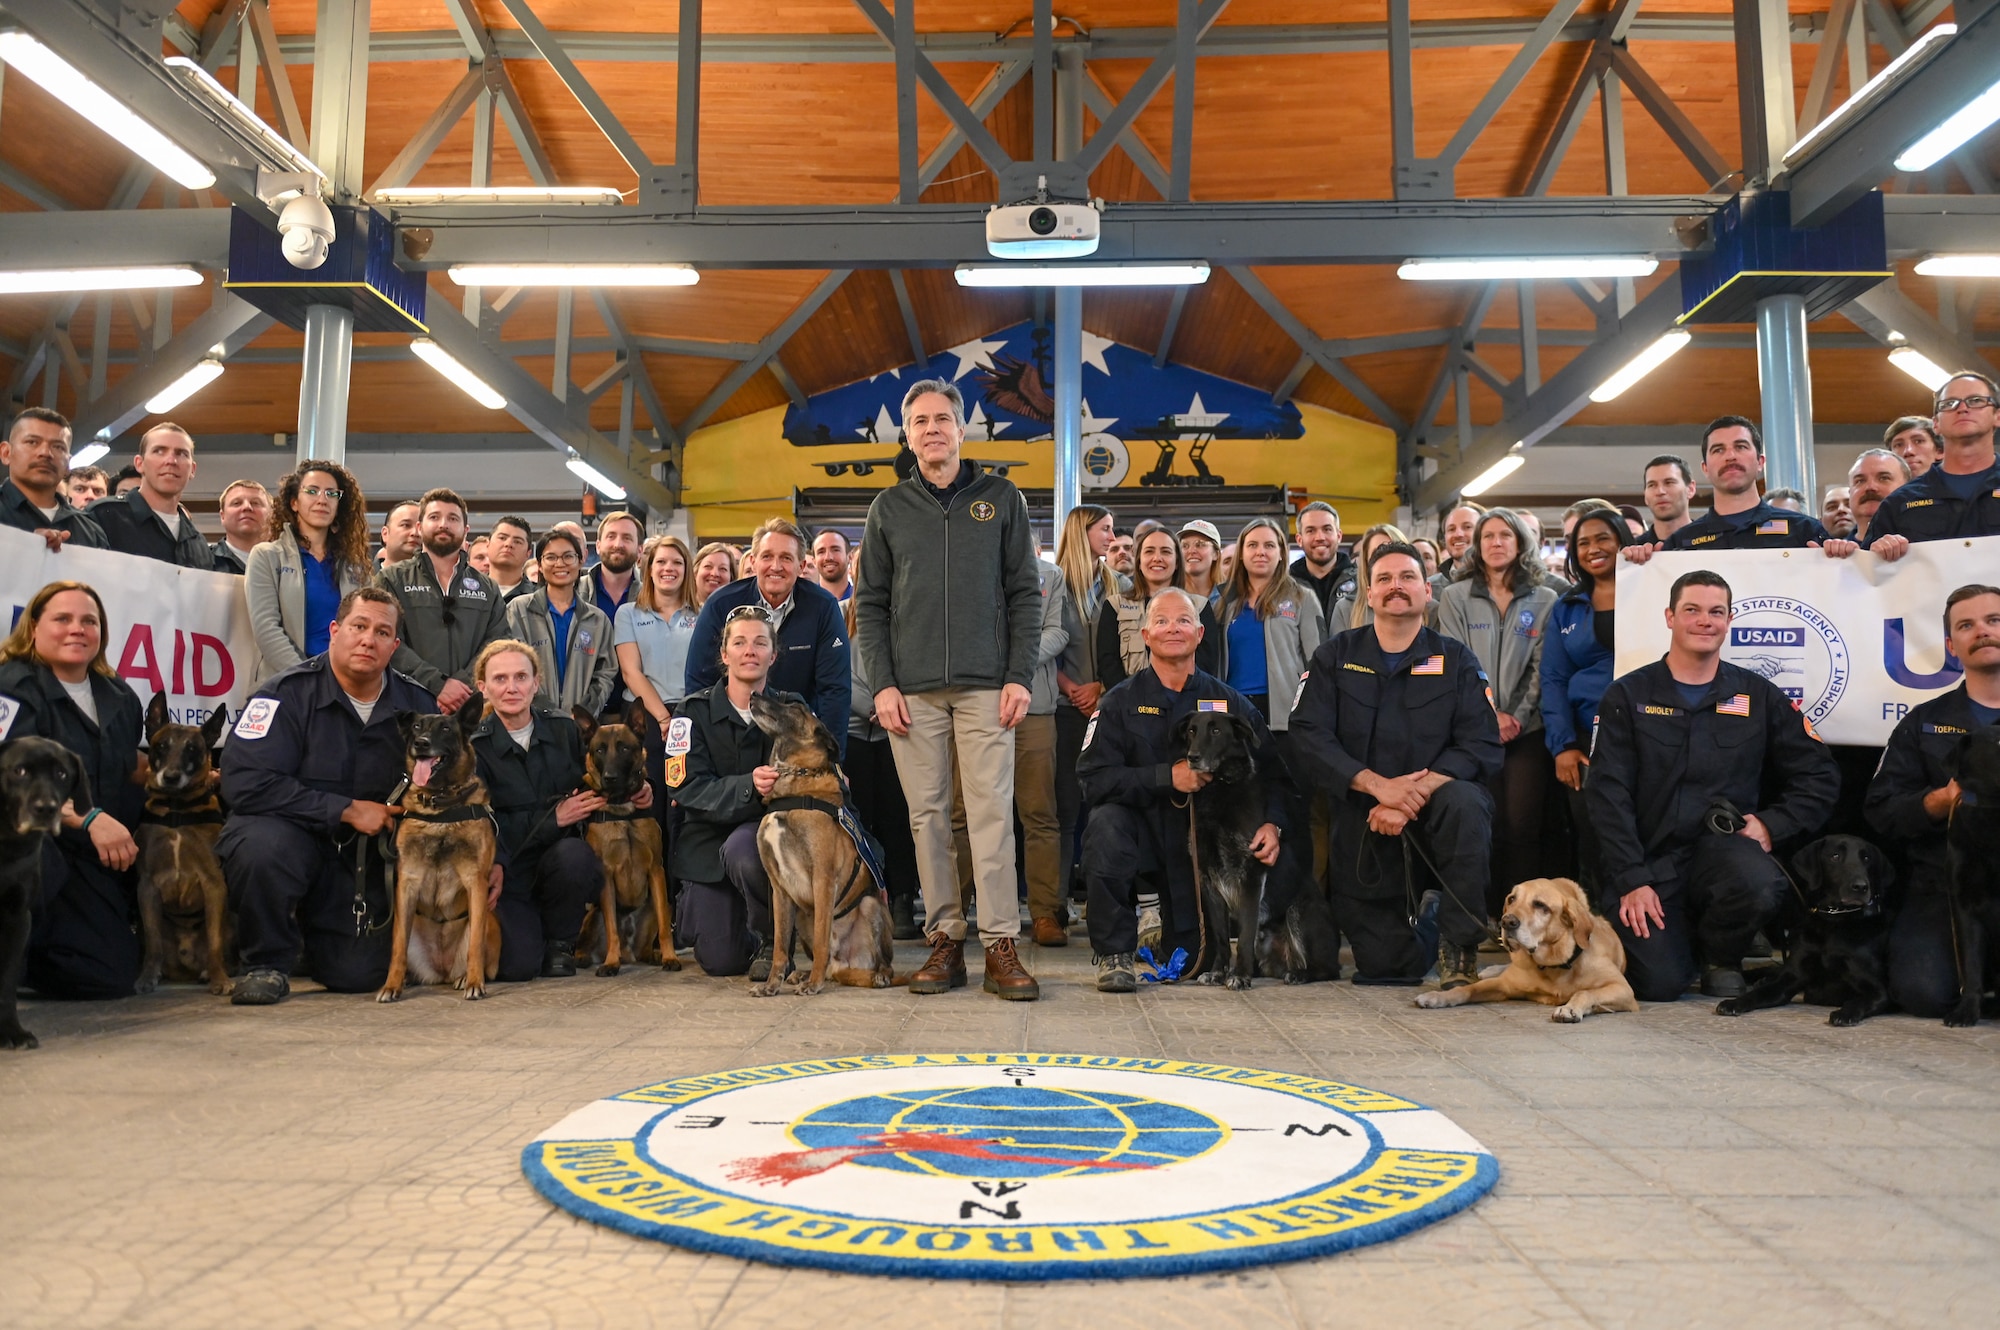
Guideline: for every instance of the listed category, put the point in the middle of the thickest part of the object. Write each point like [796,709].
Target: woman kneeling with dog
[56,684]
[719,772]
[531,758]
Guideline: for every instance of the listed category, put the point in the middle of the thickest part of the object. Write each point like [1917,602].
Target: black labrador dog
[1227,812]
[37,776]
[1839,956]
[1972,860]
[1302,945]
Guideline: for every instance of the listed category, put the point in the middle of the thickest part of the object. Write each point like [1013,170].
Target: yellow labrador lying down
[1562,956]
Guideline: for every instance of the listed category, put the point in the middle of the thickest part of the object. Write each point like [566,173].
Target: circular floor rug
[1026,1166]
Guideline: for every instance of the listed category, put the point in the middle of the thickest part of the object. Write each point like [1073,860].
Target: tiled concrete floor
[174,1161]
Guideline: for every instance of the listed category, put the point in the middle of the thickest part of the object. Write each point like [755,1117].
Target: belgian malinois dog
[183,904]
[633,911]
[819,885]
[444,858]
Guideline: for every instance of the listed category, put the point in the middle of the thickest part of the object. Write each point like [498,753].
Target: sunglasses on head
[757,612]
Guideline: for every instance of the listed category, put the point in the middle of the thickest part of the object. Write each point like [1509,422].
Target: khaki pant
[1035,804]
[967,721]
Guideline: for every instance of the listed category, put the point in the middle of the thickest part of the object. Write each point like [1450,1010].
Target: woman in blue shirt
[315,553]
[651,634]
[1577,667]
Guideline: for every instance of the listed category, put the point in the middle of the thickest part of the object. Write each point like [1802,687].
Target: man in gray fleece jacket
[947,609]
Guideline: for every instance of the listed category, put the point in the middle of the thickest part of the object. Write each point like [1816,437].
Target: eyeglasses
[315,492]
[1953,403]
[548,559]
[757,612]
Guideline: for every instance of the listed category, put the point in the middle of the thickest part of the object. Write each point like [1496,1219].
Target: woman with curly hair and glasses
[315,552]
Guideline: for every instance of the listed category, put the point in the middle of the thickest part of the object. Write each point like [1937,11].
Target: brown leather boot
[1049,933]
[1004,976]
[944,971]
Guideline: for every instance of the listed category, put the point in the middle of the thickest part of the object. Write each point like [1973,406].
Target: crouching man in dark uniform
[1396,722]
[531,758]
[307,774]
[1137,789]
[1912,797]
[1685,749]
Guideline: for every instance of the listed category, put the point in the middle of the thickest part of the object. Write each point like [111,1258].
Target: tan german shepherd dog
[818,882]
[627,838]
[444,856]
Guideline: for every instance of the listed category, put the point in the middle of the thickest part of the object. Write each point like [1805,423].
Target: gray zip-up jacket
[444,629]
[1290,638]
[274,584]
[948,598]
[591,671]
[1509,646]
[1055,637]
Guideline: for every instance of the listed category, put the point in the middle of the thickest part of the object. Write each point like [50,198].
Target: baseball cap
[1204,529]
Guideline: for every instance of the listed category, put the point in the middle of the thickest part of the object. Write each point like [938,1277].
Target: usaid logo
[1794,646]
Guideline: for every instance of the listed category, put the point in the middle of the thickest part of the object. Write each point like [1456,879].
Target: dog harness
[630,814]
[463,813]
[200,817]
[862,856]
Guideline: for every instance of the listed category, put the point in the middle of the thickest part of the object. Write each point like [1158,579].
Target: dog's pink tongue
[420,774]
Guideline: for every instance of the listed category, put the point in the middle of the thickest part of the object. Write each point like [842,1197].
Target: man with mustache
[1732,457]
[1394,721]
[1913,795]
[1876,474]
[1676,741]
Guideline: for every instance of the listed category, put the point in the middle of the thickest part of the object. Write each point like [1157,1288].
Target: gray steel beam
[940,89]
[1764,88]
[1149,82]
[531,404]
[1100,104]
[1859,155]
[785,380]
[340,93]
[1887,315]
[1827,59]
[1666,112]
[1531,51]
[632,348]
[432,132]
[1246,40]
[1175,306]
[1310,343]
[32,190]
[257,25]
[594,106]
[230,323]
[909,313]
[1293,378]
[1185,37]
[125,237]
[997,85]
[687,105]
[908,190]
[1566,392]
[766,349]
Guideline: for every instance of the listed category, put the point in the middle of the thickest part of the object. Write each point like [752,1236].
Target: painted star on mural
[975,354]
[1198,416]
[885,429]
[1094,348]
[1096,424]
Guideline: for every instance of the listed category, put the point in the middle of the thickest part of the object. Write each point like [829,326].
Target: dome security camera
[306,229]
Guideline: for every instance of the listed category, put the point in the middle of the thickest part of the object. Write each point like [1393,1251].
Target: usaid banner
[1854,642]
[173,630]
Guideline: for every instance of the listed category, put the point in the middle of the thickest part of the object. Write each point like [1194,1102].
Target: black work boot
[558,959]
[760,964]
[1722,981]
[1457,966]
[260,988]
[903,919]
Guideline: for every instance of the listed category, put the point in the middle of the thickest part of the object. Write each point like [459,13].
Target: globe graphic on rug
[1011,1132]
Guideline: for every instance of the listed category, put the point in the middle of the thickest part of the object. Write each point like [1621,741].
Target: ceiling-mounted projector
[1042,229]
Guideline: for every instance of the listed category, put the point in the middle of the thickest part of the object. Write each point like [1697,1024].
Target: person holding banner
[36,453]
[314,553]
[1677,775]
[148,519]
[1913,795]
[1732,457]
[55,683]
[307,774]
[1876,474]
[1960,496]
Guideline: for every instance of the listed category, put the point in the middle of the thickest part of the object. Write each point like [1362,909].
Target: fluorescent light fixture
[45,281]
[88,454]
[1494,474]
[1641,365]
[475,387]
[407,195]
[1920,367]
[1082,274]
[574,274]
[187,385]
[1954,133]
[1554,267]
[66,84]
[275,150]
[594,478]
[1960,265]
[1892,75]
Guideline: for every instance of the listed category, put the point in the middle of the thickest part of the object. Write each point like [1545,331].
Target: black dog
[1972,845]
[1227,812]
[1840,954]
[1303,945]
[37,777]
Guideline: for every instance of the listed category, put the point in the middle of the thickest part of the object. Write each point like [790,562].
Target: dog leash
[1723,819]
[1200,905]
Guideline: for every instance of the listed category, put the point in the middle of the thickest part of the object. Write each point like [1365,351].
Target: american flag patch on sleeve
[1738,705]
[1435,665]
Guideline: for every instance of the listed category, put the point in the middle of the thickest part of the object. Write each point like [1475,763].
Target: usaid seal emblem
[1795,647]
[1017,1166]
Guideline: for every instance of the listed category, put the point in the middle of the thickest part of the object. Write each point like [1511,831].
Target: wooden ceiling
[1266,128]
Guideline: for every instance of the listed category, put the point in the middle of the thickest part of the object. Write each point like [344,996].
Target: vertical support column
[1044,88]
[1185,23]
[340,92]
[1764,89]
[329,356]
[1531,337]
[565,326]
[482,176]
[1402,96]
[909,184]
[1785,377]
[687,103]
[100,348]
[1069,402]
[1612,107]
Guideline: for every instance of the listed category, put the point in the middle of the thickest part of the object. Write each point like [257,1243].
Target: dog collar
[201,817]
[630,813]
[463,813]
[1575,952]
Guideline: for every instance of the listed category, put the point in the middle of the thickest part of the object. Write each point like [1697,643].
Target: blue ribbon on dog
[1163,974]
